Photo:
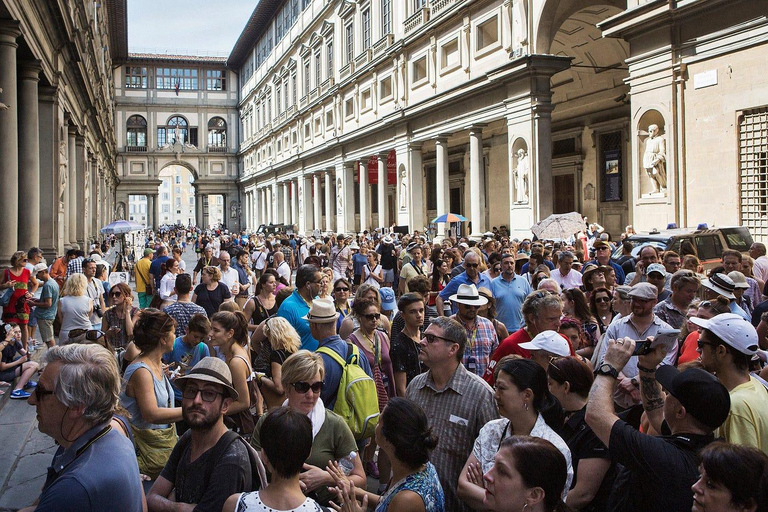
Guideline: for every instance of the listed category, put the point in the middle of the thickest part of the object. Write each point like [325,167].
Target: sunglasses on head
[90,334]
[303,387]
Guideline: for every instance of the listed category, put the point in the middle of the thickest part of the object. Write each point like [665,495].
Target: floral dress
[425,483]
[17,310]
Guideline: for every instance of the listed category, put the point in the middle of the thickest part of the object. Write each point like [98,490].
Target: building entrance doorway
[564,192]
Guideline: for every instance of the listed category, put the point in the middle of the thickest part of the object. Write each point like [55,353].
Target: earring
[526,408]
[525,506]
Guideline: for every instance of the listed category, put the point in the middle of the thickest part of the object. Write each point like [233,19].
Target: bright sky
[194,27]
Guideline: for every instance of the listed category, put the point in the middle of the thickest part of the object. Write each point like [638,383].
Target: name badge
[458,420]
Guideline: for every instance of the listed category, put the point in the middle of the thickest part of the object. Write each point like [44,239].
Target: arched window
[177,129]
[136,131]
[217,133]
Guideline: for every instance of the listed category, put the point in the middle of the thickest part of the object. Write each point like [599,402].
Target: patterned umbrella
[450,217]
[121,226]
[559,226]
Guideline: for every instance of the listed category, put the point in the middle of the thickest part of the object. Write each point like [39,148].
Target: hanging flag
[178,86]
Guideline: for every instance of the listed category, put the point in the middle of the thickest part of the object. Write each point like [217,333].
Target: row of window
[185,79]
[177,129]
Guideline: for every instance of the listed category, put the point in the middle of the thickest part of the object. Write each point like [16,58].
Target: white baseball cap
[732,329]
[550,341]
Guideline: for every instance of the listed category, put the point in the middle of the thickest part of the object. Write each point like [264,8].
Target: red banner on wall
[392,168]
[373,170]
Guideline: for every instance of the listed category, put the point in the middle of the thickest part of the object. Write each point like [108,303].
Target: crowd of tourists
[394,373]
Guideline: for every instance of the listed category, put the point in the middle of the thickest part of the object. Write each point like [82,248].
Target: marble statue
[339,198]
[63,162]
[521,173]
[654,159]
[403,190]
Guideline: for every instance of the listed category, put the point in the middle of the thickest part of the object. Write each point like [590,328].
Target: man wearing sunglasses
[221,465]
[603,257]
[95,465]
[471,275]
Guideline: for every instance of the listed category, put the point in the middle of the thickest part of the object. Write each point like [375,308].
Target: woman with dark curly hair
[404,434]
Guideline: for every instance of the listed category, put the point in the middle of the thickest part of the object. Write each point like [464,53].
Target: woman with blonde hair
[211,293]
[75,307]
[302,378]
[284,341]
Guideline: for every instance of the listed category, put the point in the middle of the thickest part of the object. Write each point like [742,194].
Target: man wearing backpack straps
[209,463]
[322,324]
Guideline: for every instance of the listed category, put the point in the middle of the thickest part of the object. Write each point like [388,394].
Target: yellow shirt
[747,423]
[141,270]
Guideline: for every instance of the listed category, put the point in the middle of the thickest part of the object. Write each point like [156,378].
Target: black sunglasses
[372,316]
[341,290]
[208,395]
[303,387]
[598,300]
[90,334]
[40,392]
[471,265]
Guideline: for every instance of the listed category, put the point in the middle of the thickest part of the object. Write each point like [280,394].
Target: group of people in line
[501,375]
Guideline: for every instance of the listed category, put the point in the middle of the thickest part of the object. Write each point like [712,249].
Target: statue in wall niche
[521,173]
[339,197]
[301,201]
[403,190]
[62,174]
[654,159]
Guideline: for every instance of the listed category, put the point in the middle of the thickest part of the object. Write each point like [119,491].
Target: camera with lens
[97,310]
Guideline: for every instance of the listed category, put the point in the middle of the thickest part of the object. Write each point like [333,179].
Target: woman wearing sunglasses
[120,316]
[374,344]
[527,408]
[601,307]
[332,440]
[341,290]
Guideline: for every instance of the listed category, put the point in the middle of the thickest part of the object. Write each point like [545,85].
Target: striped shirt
[456,414]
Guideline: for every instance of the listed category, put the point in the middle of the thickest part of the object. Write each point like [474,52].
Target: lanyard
[82,449]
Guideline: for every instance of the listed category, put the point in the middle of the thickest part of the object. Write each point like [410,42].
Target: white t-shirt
[570,280]
[232,279]
[284,270]
[367,275]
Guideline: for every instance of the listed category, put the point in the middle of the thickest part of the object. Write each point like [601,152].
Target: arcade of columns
[57,191]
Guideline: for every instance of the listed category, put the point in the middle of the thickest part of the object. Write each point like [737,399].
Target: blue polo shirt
[156,269]
[510,296]
[453,286]
[293,309]
[105,476]
[616,269]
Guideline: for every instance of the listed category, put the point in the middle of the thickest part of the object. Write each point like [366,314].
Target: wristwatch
[606,369]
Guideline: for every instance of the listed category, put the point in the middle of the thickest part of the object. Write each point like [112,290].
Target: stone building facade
[502,110]
[175,110]
[57,154]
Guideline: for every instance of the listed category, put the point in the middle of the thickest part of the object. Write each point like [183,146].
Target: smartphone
[666,337]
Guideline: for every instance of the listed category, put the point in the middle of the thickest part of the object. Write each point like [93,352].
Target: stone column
[316,202]
[383,189]
[345,198]
[286,202]
[476,181]
[442,182]
[365,208]
[151,211]
[295,203]
[71,216]
[29,154]
[416,196]
[9,141]
[330,212]
[306,199]
[94,200]
[542,125]
[50,231]
[80,172]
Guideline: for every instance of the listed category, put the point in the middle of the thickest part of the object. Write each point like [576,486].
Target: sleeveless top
[163,394]
[425,483]
[251,502]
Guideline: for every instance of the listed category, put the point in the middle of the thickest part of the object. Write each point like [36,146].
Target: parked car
[707,244]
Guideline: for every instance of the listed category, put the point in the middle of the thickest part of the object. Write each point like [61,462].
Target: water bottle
[347,464]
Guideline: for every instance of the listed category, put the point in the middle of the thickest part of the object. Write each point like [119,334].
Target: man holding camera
[639,325]
[95,291]
[656,473]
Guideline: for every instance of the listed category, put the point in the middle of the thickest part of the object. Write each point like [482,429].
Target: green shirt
[333,442]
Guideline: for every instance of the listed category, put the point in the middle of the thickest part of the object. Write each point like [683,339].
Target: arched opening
[217,134]
[590,122]
[176,196]
[136,132]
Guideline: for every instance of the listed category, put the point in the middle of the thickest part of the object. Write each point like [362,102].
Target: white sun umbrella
[559,226]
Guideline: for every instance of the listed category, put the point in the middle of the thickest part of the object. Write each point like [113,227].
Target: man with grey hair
[565,275]
[95,466]
[457,402]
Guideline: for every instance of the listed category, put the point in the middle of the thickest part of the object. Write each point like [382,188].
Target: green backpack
[358,404]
